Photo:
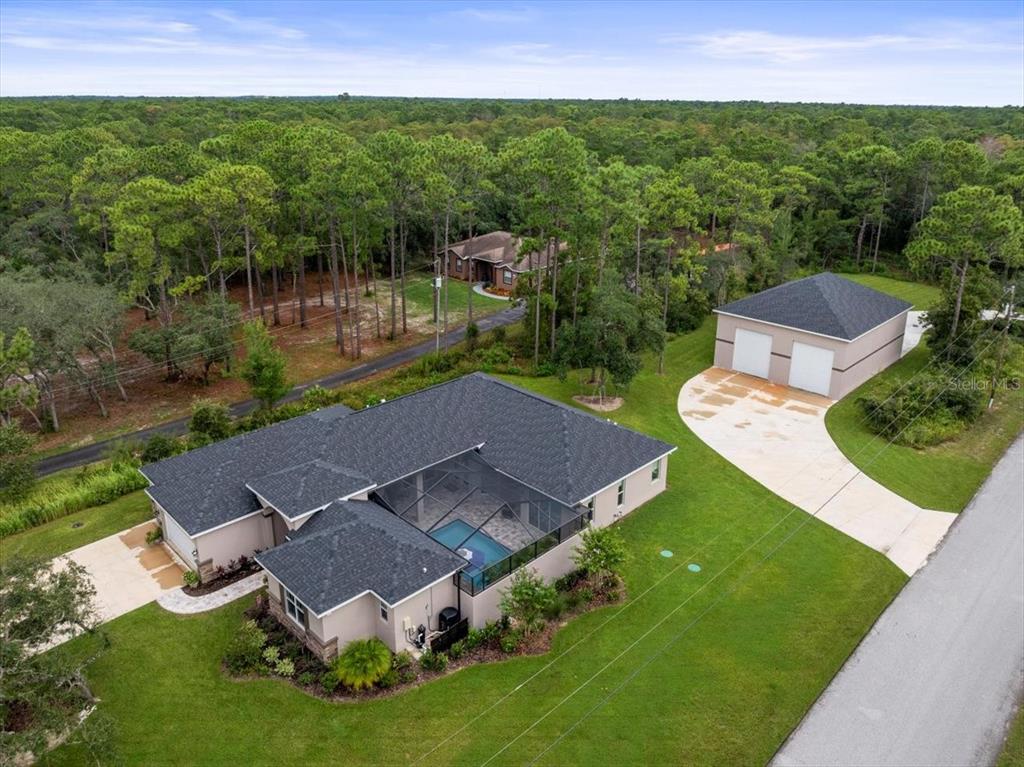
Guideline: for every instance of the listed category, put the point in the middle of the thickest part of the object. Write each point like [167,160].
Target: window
[383,610]
[621,498]
[294,608]
[656,471]
[506,277]
[458,264]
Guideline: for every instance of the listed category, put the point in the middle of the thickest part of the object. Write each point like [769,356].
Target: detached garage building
[824,334]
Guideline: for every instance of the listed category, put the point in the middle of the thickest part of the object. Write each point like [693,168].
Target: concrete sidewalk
[936,680]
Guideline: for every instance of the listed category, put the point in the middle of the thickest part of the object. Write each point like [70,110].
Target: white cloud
[796,48]
[257,26]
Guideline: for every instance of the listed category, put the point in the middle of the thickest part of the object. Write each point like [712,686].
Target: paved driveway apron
[126,571]
[777,435]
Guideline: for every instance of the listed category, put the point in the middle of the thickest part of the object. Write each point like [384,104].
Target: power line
[704,612]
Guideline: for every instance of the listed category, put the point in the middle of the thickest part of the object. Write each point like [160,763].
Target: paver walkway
[777,435]
[126,571]
[177,601]
[935,681]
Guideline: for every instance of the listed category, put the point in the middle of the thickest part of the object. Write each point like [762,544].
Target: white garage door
[178,538]
[810,368]
[752,353]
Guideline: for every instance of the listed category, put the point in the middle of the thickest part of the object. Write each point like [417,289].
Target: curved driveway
[777,435]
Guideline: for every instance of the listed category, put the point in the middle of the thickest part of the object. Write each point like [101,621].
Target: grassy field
[921,296]
[61,535]
[943,477]
[1013,749]
[420,294]
[705,668]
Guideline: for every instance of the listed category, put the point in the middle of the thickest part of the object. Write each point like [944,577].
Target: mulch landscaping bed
[537,643]
[225,580]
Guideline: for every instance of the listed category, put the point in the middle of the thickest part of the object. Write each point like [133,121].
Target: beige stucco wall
[854,362]
[639,490]
[243,537]
[420,608]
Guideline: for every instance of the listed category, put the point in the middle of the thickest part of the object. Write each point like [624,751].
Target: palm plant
[362,663]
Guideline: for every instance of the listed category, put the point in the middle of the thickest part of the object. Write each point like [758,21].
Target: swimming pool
[484,548]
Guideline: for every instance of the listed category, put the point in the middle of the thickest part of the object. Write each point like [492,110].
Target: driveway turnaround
[935,681]
[126,571]
[777,435]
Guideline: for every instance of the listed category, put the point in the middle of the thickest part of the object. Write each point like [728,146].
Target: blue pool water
[484,548]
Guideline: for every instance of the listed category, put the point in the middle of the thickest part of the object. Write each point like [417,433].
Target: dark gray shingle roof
[824,303]
[559,450]
[356,546]
[308,486]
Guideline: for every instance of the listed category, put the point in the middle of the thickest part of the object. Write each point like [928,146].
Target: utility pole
[1002,348]
[437,305]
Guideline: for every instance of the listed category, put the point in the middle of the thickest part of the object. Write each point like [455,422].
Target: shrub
[362,663]
[160,446]
[316,397]
[285,667]
[306,678]
[496,356]
[457,650]
[558,605]
[407,675]
[498,334]
[474,639]
[570,580]
[190,578]
[472,335]
[54,500]
[510,642]
[930,409]
[401,660]
[155,535]
[390,679]
[601,552]
[526,599]
[433,661]
[123,452]
[210,420]
[17,468]
[245,651]
[271,655]
[329,682]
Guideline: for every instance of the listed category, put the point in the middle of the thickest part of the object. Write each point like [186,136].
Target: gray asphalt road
[94,452]
[936,680]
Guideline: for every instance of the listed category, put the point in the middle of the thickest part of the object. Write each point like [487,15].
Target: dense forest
[200,213]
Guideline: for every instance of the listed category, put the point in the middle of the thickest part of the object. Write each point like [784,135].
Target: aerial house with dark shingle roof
[396,520]
[824,334]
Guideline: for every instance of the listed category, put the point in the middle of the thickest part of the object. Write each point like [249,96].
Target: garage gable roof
[825,303]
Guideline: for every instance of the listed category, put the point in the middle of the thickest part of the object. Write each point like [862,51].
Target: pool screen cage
[496,522]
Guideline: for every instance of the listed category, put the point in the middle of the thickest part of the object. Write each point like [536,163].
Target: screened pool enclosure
[493,521]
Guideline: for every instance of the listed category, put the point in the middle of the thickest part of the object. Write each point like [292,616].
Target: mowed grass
[920,295]
[420,293]
[61,535]
[944,477]
[705,668]
[1013,750]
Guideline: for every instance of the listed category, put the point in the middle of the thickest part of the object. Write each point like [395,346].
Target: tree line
[648,214]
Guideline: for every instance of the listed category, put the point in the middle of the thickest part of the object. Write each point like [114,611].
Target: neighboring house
[408,514]
[824,334]
[494,258]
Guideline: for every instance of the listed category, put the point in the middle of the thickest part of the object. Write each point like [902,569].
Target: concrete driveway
[777,435]
[126,572]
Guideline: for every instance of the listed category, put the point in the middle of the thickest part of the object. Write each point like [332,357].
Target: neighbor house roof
[826,304]
[558,450]
[501,249]
[352,547]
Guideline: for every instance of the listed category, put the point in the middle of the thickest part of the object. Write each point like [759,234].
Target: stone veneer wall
[325,651]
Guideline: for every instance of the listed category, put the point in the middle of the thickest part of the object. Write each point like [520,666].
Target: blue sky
[969,53]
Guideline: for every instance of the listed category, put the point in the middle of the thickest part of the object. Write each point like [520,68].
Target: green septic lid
[666,553]
[693,567]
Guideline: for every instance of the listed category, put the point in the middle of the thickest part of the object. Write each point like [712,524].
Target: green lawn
[716,667]
[418,291]
[59,536]
[944,477]
[921,296]
[1013,749]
